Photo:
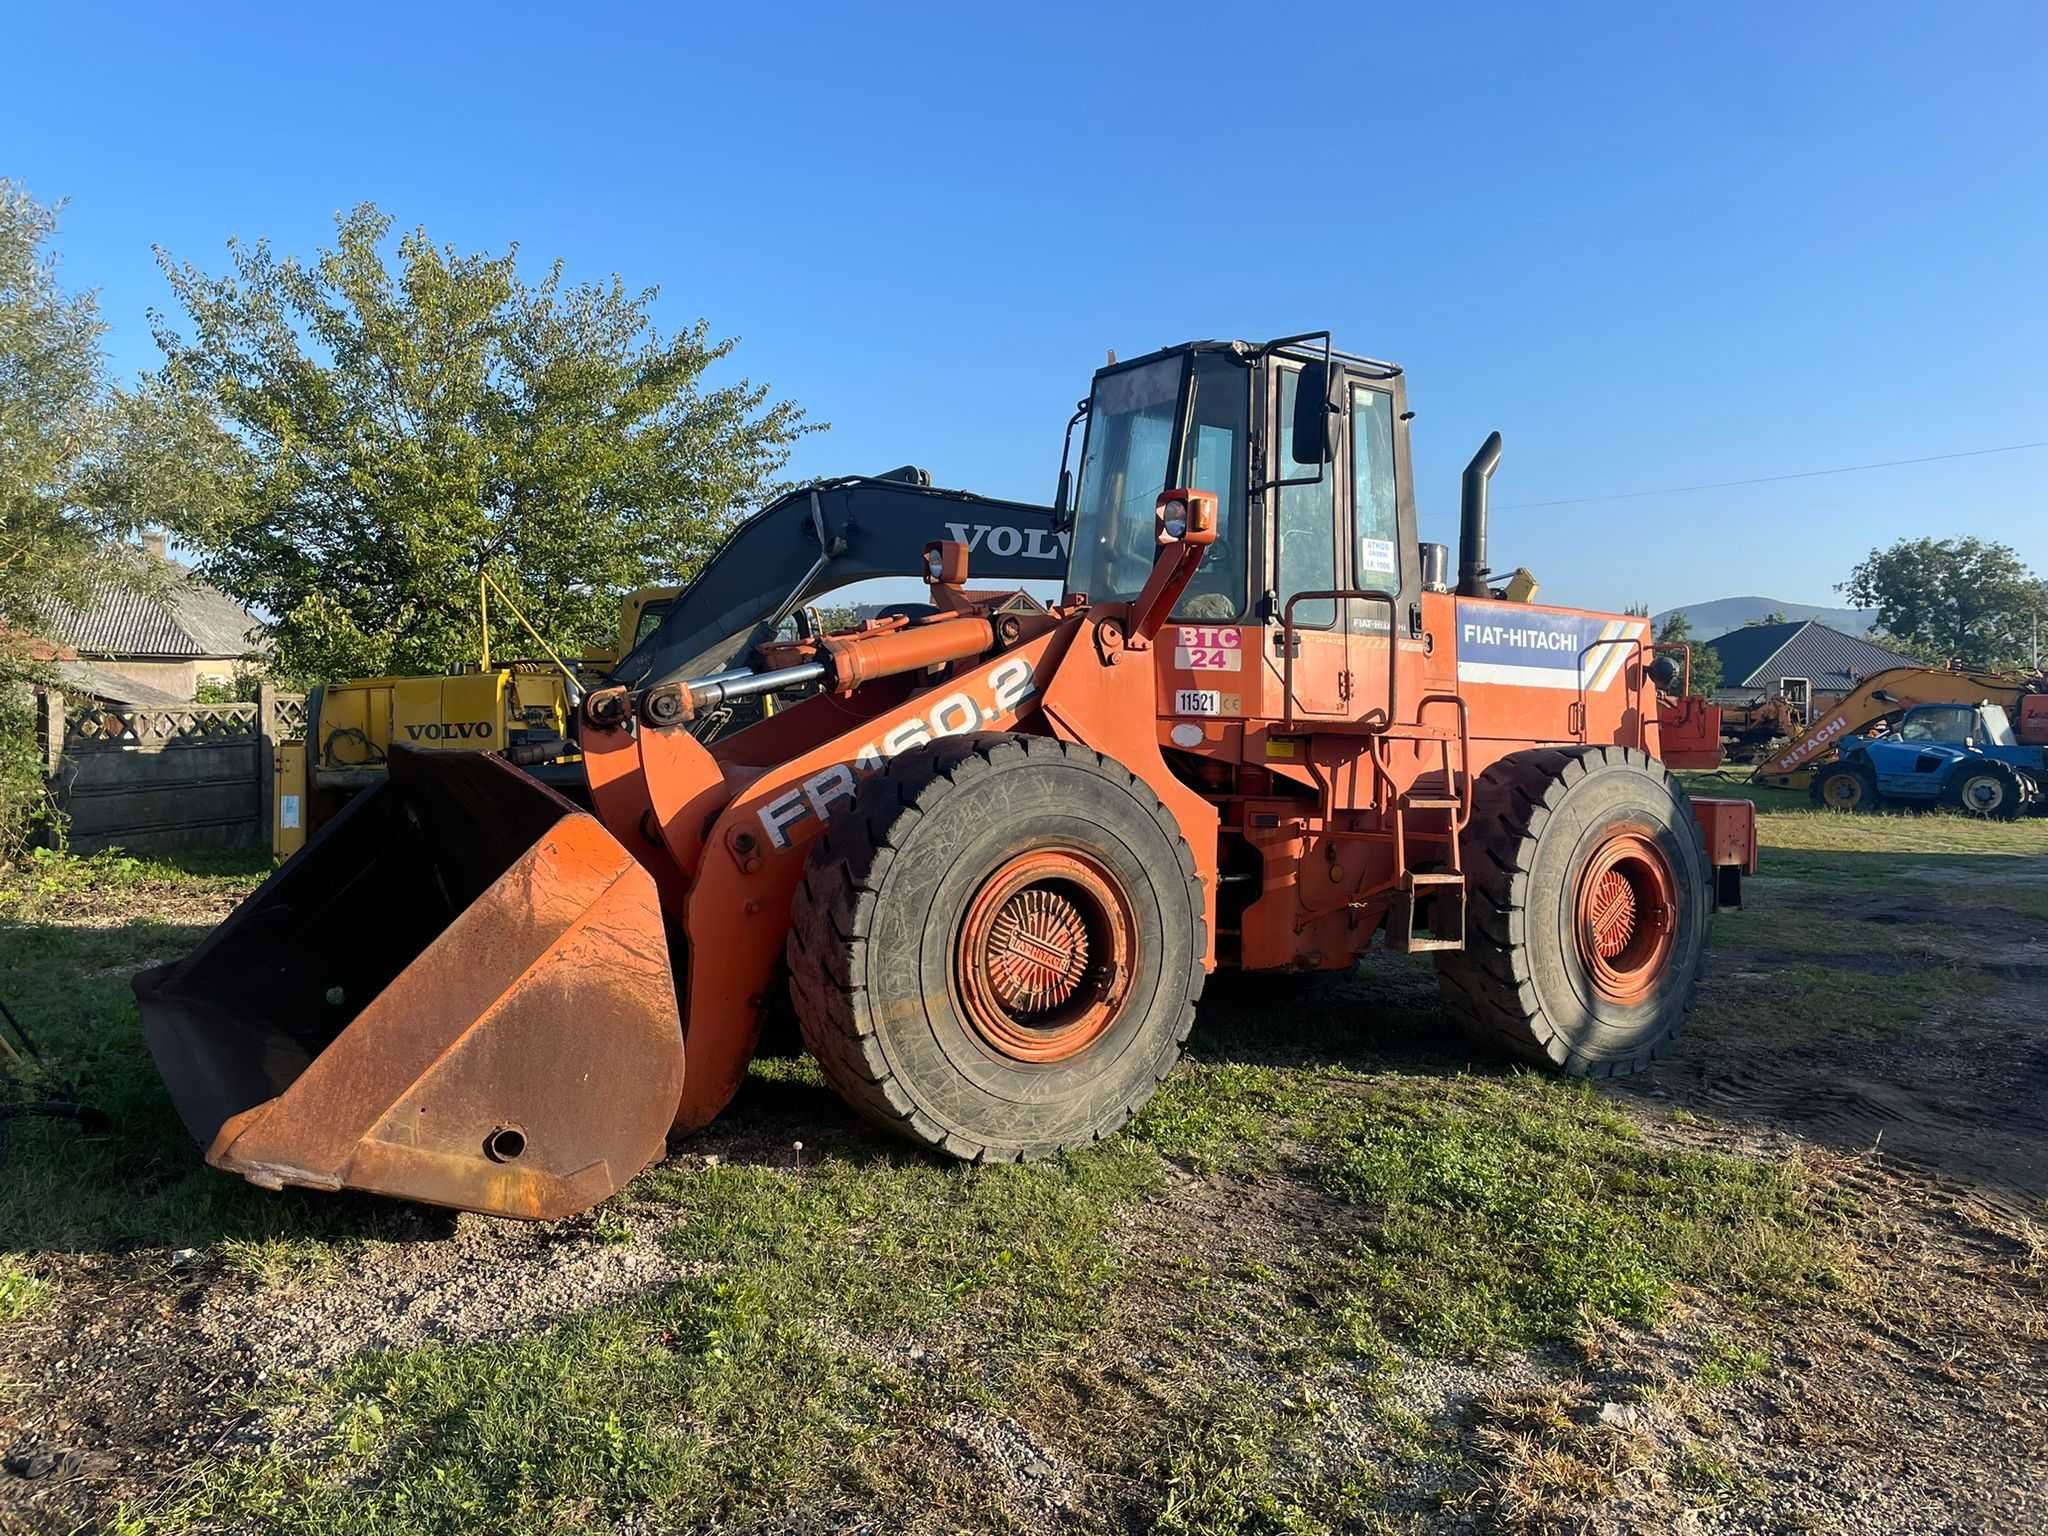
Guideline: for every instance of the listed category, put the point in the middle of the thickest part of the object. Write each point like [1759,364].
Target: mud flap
[459,992]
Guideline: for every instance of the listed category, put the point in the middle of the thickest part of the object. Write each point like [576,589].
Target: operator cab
[1957,725]
[1308,502]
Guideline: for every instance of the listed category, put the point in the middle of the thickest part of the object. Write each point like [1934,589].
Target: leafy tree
[56,420]
[239,687]
[354,443]
[1775,616]
[1920,651]
[1963,599]
[56,538]
[1706,661]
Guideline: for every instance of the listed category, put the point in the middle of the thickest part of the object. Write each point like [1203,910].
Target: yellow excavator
[1891,692]
[520,708]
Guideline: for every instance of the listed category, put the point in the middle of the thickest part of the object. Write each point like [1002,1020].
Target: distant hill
[1716,618]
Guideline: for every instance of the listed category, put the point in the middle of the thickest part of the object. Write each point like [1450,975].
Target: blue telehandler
[1963,756]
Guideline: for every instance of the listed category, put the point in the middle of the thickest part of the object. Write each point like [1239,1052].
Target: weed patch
[21,1293]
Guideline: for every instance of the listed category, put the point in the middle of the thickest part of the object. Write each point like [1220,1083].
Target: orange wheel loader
[992,860]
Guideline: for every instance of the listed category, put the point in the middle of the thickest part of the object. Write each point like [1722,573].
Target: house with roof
[131,648]
[1807,661]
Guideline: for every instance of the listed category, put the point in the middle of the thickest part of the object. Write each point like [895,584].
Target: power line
[1804,474]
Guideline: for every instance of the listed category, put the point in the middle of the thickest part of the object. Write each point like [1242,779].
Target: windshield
[1124,468]
[1945,724]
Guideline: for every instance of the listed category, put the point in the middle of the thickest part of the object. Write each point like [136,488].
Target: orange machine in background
[991,861]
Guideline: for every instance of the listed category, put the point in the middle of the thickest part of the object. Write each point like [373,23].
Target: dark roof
[191,621]
[1760,654]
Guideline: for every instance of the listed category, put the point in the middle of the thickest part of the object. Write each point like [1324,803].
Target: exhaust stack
[1472,518]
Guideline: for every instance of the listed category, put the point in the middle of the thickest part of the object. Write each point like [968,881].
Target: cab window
[1944,725]
[1305,530]
[1216,458]
[650,619]
[1124,467]
[1377,561]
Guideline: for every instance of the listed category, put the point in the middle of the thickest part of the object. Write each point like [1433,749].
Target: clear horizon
[1654,249]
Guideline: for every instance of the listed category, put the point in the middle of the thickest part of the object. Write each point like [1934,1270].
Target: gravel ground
[1917,1406]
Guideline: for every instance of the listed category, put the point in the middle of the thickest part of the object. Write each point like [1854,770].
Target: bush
[24,798]
[238,689]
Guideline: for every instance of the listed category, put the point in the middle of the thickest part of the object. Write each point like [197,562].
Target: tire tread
[1488,987]
[836,901]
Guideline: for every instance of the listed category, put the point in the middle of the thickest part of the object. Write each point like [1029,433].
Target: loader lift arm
[1886,693]
[822,537]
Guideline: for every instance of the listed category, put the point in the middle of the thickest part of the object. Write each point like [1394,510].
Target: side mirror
[1061,496]
[1311,443]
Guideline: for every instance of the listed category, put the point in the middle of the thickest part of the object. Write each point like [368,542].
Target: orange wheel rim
[1842,791]
[1626,915]
[1043,962]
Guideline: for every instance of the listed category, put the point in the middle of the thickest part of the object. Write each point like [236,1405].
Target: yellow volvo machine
[521,709]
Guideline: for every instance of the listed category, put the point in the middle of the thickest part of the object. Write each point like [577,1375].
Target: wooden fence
[163,779]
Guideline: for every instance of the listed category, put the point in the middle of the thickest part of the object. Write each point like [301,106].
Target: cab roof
[1249,350]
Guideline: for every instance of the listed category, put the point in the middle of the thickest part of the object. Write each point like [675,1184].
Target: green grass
[1802,959]
[1499,1210]
[1205,1323]
[1816,998]
[21,1293]
[48,883]
[1727,1362]
[73,932]
[1787,820]
[832,1318]
[781,1369]
[1240,1472]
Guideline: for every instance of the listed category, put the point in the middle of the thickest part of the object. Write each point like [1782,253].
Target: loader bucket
[459,992]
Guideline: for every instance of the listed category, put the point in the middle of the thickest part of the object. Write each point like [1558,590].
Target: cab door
[1306,552]
[1372,508]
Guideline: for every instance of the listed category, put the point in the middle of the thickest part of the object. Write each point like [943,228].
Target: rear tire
[1991,790]
[1845,787]
[1587,911]
[997,950]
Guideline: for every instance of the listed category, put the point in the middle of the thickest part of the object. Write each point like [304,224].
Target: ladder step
[1435,877]
[1431,802]
[1446,916]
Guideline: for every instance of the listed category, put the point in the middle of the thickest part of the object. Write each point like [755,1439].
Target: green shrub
[24,798]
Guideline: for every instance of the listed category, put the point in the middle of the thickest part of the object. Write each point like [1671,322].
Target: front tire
[1587,911]
[1845,787]
[997,950]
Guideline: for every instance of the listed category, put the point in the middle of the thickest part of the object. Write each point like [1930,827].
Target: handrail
[1460,782]
[1640,646]
[1287,644]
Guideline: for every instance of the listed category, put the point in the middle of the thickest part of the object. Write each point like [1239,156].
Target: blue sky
[1654,245]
